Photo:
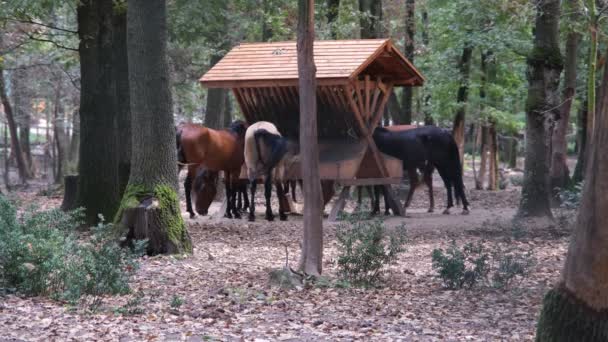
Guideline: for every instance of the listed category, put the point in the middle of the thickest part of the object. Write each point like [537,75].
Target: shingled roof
[337,61]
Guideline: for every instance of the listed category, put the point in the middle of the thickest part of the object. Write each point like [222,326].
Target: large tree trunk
[216,99]
[61,136]
[98,166]
[464,66]
[579,169]
[333,11]
[150,205]
[409,44]
[371,19]
[577,309]
[122,99]
[312,244]
[544,68]
[12,126]
[559,173]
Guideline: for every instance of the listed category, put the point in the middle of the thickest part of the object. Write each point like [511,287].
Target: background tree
[312,243]
[150,206]
[576,308]
[544,68]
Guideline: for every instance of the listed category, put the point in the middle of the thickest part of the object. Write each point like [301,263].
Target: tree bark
[333,11]
[61,137]
[544,68]
[7,180]
[559,173]
[150,205]
[216,99]
[577,309]
[409,44]
[12,126]
[579,169]
[122,99]
[493,157]
[464,67]
[98,166]
[75,139]
[312,244]
[21,108]
[371,19]
[483,160]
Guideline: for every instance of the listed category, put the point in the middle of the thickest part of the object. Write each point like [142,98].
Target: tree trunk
[75,139]
[227,116]
[7,180]
[577,309]
[312,244]
[493,157]
[333,11]
[559,173]
[122,99]
[216,99]
[409,44]
[483,160]
[579,169]
[21,108]
[513,156]
[150,205]
[464,67]
[98,166]
[544,68]
[592,67]
[15,145]
[61,137]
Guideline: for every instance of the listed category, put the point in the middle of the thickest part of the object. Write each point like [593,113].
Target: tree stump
[70,191]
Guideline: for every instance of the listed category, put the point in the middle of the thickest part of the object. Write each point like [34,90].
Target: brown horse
[204,189]
[212,150]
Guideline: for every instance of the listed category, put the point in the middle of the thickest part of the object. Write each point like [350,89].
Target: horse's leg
[188,188]
[280,195]
[387,209]
[427,173]
[448,186]
[359,188]
[293,191]
[245,197]
[254,183]
[413,176]
[239,194]
[375,200]
[234,190]
[268,195]
[228,196]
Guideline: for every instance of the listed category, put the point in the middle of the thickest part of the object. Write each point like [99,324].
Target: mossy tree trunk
[544,68]
[577,309]
[560,175]
[150,206]
[122,99]
[98,157]
[312,244]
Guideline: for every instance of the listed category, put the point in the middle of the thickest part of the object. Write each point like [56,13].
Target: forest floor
[226,294]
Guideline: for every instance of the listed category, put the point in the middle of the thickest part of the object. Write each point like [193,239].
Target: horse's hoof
[269,217]
[465,212]
[446,212]
[227,216]
[251,218]
[283,217]
[192,215]
[387,213]
[431,210]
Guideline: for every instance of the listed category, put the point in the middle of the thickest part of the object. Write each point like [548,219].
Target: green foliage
[570,198]
[41,255]
[132,307]
[473,264]
[365,249]
[176,302]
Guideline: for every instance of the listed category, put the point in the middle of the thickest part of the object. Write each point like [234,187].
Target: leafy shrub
[40,254]
[176,302]
[365,248]
[458,268]
[473,264]
[570,198]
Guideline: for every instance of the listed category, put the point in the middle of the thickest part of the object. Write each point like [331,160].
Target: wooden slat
[380,111]
[242,105]
[367,88]
[360,101]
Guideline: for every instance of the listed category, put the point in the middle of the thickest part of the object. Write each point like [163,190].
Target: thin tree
[122,99]
[407,97]
[544,68]
[577,308]
[560,175]
[12,126]
[464,67]
[312,244]
[333,11]
[150,205]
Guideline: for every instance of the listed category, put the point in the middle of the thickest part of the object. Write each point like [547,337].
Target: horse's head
[239,127]
[291,159]
[204,189]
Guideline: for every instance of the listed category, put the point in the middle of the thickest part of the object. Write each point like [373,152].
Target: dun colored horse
[212,150]
[426,148]
[268,154]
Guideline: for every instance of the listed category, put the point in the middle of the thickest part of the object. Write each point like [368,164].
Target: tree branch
[38,39]
[32,22]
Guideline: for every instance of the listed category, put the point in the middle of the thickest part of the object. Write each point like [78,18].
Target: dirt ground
[226,294]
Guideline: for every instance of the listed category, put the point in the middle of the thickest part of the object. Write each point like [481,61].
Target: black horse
[426,148]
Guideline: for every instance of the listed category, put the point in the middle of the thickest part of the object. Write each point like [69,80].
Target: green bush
[40,254]
[473,264]
[570,198]
[365,248]
[458,268]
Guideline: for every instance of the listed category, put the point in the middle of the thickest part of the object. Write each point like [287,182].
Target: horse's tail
[181,157]
[277,144]
[455,167]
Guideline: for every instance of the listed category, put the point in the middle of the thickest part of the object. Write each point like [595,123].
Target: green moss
[169,212]
[551,58]
[566,318]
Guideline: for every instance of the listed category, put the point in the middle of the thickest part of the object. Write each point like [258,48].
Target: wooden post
[340,203]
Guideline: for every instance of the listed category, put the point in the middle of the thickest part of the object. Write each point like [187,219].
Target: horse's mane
[239,127]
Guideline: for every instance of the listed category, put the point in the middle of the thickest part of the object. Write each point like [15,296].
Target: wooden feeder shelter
[355,79]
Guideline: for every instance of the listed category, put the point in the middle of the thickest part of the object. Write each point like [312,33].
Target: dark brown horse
[213,150]
[204,189]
